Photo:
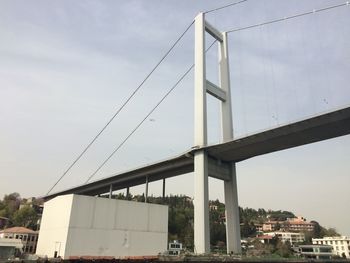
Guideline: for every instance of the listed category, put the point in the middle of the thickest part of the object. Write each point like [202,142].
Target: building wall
[54,226]
[292,238]
[94,226]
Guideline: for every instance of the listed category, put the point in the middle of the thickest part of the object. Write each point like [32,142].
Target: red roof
[265,237]
[19,230]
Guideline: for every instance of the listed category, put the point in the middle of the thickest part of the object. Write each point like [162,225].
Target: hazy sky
[66,67]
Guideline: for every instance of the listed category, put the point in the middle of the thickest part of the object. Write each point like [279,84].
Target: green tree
[26,217]
[284,249]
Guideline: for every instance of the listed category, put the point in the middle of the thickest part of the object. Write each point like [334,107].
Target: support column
[201,204]
[127,193]
[110,191]
[233,236]
[163,189]
[146,191]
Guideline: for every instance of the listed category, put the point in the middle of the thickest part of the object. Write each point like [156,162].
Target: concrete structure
[201,163]
[310,130]
[74,225]
[292,238]
[341,244]
[28,237]
[321,252]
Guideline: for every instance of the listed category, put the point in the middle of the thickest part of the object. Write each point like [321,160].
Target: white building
[10,248]
[28,237]
[291,237]
[321,252]
[341,244]
[75,225]
[175,248]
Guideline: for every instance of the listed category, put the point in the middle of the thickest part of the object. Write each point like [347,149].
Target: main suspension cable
[144,119]
[225,6]
[121,107]
[347,3]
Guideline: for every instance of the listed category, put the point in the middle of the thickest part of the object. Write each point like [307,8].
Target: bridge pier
[110,191]
[233,236]
[163,189]
[201,204]
[146,190]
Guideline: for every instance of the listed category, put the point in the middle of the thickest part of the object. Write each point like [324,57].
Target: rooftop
[18,229]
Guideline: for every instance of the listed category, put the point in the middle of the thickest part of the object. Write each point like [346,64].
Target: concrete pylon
[201,193]
[233,235]
[201,199]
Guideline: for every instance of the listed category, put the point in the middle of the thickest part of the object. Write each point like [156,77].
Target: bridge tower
[202,165]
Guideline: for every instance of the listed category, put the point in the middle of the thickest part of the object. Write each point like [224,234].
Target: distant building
[258,227]
[28,237]
[291,237]
[341,244]
[175,248]
[321,252]
[213,207]
[298,224]
[265,239]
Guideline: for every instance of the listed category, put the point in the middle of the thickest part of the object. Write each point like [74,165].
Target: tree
[11,203]
[26,217]
[332,232]
[283,249]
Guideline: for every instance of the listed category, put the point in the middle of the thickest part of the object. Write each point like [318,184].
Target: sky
[66,67]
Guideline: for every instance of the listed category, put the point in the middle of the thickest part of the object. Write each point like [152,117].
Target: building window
[24,238]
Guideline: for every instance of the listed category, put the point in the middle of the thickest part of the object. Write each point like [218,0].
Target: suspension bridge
[218,160]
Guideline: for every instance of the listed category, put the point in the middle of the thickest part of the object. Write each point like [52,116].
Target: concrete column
[201,209]
[233,234]
[146,191]
[127,193]
[233,237]
[201,203]
[110,191]
[163,189]
[200,95]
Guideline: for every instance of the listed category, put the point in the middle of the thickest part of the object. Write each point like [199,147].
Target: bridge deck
[322,127]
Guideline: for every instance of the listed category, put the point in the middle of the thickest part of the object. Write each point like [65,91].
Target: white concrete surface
[76,225]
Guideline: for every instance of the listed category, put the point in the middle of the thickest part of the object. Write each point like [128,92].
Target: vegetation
[20,211]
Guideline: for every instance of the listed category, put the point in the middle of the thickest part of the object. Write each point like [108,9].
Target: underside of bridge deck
[315,129]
